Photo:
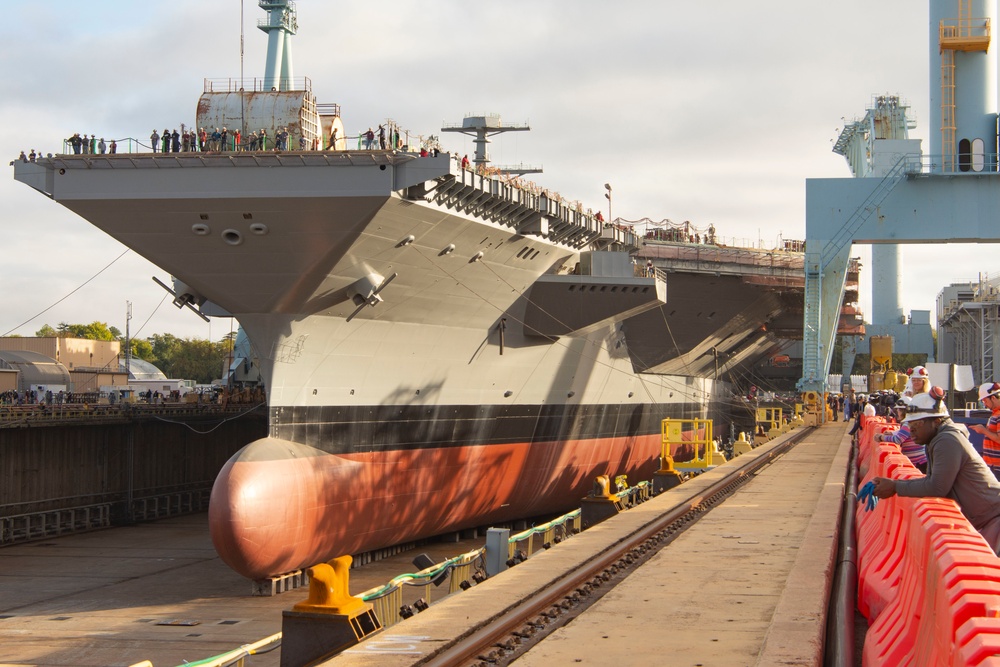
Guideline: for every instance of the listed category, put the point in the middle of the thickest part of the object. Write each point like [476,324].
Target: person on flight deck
[989,394]
[165,137]
[154,140]
[954,468]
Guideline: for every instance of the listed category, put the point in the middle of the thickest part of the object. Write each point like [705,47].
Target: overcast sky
[712,112]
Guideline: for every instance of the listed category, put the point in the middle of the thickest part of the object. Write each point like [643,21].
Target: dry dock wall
[62,477]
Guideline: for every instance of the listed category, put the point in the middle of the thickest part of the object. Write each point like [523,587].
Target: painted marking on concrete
[401,644]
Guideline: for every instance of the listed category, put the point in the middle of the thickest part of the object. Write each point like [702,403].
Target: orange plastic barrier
[928,583]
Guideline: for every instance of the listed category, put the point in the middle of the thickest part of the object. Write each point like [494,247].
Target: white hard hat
[918,373]
[988,389]
[926,406]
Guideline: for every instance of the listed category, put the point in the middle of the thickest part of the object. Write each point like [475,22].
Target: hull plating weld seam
[503,641]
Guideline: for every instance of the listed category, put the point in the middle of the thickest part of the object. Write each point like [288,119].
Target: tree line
[183,358]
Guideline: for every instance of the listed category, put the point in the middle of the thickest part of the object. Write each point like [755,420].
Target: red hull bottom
[278,506]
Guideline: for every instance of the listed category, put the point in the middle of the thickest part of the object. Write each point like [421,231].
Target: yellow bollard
[774,432]
[328,589]
[741,446]
[329,621]
[601,504]
[666,477]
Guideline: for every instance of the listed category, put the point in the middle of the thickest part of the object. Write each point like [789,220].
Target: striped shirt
[991,449]
[916,453]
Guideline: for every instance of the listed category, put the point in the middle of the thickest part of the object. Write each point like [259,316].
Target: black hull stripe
[344,430]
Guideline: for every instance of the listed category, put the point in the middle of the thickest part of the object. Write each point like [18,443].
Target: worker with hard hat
[918,382]
[989,394]
[954,468]
[904,438]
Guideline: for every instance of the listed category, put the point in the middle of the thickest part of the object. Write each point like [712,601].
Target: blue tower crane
[948,196]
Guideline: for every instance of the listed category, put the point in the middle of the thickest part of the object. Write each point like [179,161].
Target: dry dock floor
[97,599]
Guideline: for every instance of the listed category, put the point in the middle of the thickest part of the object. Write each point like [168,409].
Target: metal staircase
[907,164]
[816,357]
[810,333]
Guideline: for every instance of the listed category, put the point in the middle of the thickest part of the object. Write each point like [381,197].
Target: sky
[709,112]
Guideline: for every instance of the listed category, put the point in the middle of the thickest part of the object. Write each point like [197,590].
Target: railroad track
[502,639]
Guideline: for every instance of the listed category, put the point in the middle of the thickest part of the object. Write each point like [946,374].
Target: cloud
[710,112]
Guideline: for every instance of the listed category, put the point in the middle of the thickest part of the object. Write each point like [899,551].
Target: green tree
[198,360]
[92,331]
[141,349]
[164,346]
[46,332]
[189,359]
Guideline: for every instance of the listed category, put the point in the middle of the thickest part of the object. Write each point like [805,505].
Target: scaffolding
[973,326]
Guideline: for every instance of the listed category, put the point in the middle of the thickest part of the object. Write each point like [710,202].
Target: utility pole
[128,341]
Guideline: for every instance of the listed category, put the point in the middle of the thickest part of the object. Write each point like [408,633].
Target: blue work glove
[867,496]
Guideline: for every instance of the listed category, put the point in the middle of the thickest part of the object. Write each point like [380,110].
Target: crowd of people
[220,140]
[48,398]
[683,233]
[43,398]
[90,145]
[941,449]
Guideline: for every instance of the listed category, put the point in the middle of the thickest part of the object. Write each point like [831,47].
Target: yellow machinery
[768,425]
[812,403]
[881,375]
[696,433]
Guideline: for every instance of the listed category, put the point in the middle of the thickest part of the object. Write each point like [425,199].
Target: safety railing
[258,85]
[387,600]
[928,582]
[551,533]
[234,658]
